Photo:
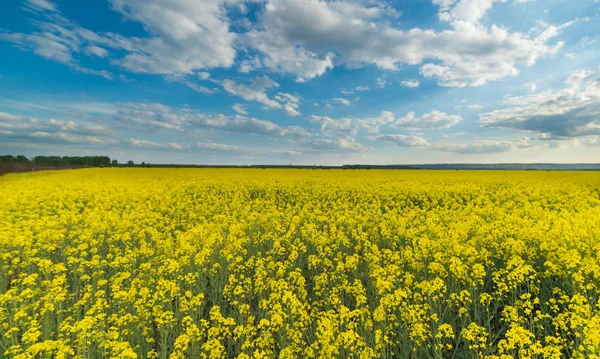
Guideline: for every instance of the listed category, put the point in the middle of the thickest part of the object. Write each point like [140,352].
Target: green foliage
[89,161]
[7,158]
[22,159]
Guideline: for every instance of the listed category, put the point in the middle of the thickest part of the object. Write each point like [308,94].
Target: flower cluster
[241,263]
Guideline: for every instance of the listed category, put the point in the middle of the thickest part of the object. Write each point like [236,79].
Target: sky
[310,82]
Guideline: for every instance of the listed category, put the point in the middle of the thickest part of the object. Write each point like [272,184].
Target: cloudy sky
[302,81]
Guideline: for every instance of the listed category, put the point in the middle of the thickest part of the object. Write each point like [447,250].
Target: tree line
[87,161]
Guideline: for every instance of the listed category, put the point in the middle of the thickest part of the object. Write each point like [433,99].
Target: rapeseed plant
[207,263]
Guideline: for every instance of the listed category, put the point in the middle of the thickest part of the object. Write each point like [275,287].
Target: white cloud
[174,146]
[402,140]
[349,126]
[342,101]
[212,146]
[341,144]
[475,107]
[336,127]
[40,5]
[240,109]
[149,117]
[17,128]
[203,75]
[466,10]
[286,152]
[283,56]
[152,117]
[154,145]
[410,83]
[254,92]
[245,125]
[586,41]
[290,103]
[250,65]
[573,111]
[194,86]
[531,87]
[96,51]
[476,148]
[298,36]
[184,36]
[53,46]
[429,121]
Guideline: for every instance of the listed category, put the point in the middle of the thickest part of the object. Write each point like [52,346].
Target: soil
[13,167]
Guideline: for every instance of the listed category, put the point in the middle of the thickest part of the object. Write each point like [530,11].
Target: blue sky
[302,81]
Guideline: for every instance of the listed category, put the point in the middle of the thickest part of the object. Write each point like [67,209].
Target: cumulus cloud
[286,152]
[212,147]
[246,125]
[257,92]
[152,117]
[153,145]
[484,147]
[149,117]
[299,37]
[531,87]
[349,126]
[250,65]
[203,75]
[290,103]
[429,121]
[402,140]
[239,109]
[184,35]
[32,130]
[219,147]
[254,92]
[342,101]
[138,118]
[573,111]
[96,51]
[410,83]
[466,10]
[477,148]
[341,144]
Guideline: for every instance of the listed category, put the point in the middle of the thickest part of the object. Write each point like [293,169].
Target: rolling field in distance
[250,263]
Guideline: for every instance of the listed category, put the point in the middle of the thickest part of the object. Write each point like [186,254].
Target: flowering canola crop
[250,263]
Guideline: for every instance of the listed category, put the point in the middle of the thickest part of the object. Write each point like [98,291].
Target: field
[215,263]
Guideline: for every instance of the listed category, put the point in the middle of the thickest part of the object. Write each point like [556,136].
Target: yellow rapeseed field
[216,263]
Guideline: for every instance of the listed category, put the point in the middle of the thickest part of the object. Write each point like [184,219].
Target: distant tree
[22,159]
[7,158]
[114,163]
[87,161]
[130,163]
[143,164]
